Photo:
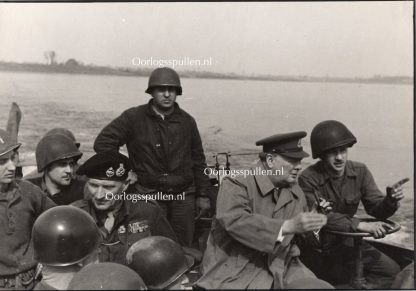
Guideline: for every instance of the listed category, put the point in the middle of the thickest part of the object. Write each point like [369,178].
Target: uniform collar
[349,171]
[12,188]
[263,181]
[174,116]
[266,186]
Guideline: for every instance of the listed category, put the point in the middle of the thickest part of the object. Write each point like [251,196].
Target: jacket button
[170,142]
[158,145]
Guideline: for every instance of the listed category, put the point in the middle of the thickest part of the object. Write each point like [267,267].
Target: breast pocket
[351,204]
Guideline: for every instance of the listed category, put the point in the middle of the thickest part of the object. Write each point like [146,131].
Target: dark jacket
[167,155]
[19,208]
[133,222]
[69,194]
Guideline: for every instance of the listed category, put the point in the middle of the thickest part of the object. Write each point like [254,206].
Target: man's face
[8,164]
[61,172]
[289,168]
[335,161]
[97,189]
[164,97]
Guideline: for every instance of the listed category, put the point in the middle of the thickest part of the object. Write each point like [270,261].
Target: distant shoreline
[73,67]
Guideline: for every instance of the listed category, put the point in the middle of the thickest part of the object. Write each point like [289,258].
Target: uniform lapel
[283,197]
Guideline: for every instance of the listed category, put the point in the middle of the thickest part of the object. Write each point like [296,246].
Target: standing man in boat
[20,204]
[345,183]
[56,157]
[251,243]
[121,221]
[165,148]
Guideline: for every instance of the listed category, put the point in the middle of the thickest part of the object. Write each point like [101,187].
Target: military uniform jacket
[18,213]
[356,185]
[166,154]
[133,222]
[242,250]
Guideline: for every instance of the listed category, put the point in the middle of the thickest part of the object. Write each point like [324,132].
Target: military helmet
[6,143]
[52,148]
[158,260]
[64,235]
[328,135]
[106,276]
[164,77]
[63,131]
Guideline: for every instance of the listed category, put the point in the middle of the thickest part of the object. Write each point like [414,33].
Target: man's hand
[324,206]
[203,205]
[303,222]
[377,229]
[132,177]
[395,192]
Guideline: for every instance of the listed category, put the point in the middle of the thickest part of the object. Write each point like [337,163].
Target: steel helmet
[63,131]
[106,276]
[52,148]
[158,260]
[164,77]
[6,143]
[330,134]
[64,235]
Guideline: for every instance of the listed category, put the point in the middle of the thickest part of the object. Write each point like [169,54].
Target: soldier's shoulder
[29,191]
[298,190]
[27,186]
[82,203]
[313,170]
[186,115]
[239,180]
[356,165]
[133,111]
[35,180]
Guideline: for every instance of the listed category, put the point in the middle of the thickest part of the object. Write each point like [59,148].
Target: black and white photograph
[207,145]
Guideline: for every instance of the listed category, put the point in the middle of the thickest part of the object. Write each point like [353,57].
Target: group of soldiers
[60,231]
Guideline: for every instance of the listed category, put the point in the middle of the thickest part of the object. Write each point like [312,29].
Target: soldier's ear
[269,160]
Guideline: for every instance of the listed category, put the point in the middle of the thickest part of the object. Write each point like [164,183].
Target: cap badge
[110,172]
[299,144]
[120,171]
[1,140]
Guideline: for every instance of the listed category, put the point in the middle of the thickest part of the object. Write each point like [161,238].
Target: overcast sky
[317,39]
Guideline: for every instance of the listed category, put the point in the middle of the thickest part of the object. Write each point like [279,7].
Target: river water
[231,116]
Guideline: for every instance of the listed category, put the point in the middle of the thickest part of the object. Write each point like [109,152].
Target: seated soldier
[20,204]
[345,183]
[106,276]
[251,242]
[65,239]
[33,175]
[161,263]
[56,157]
[121,222]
